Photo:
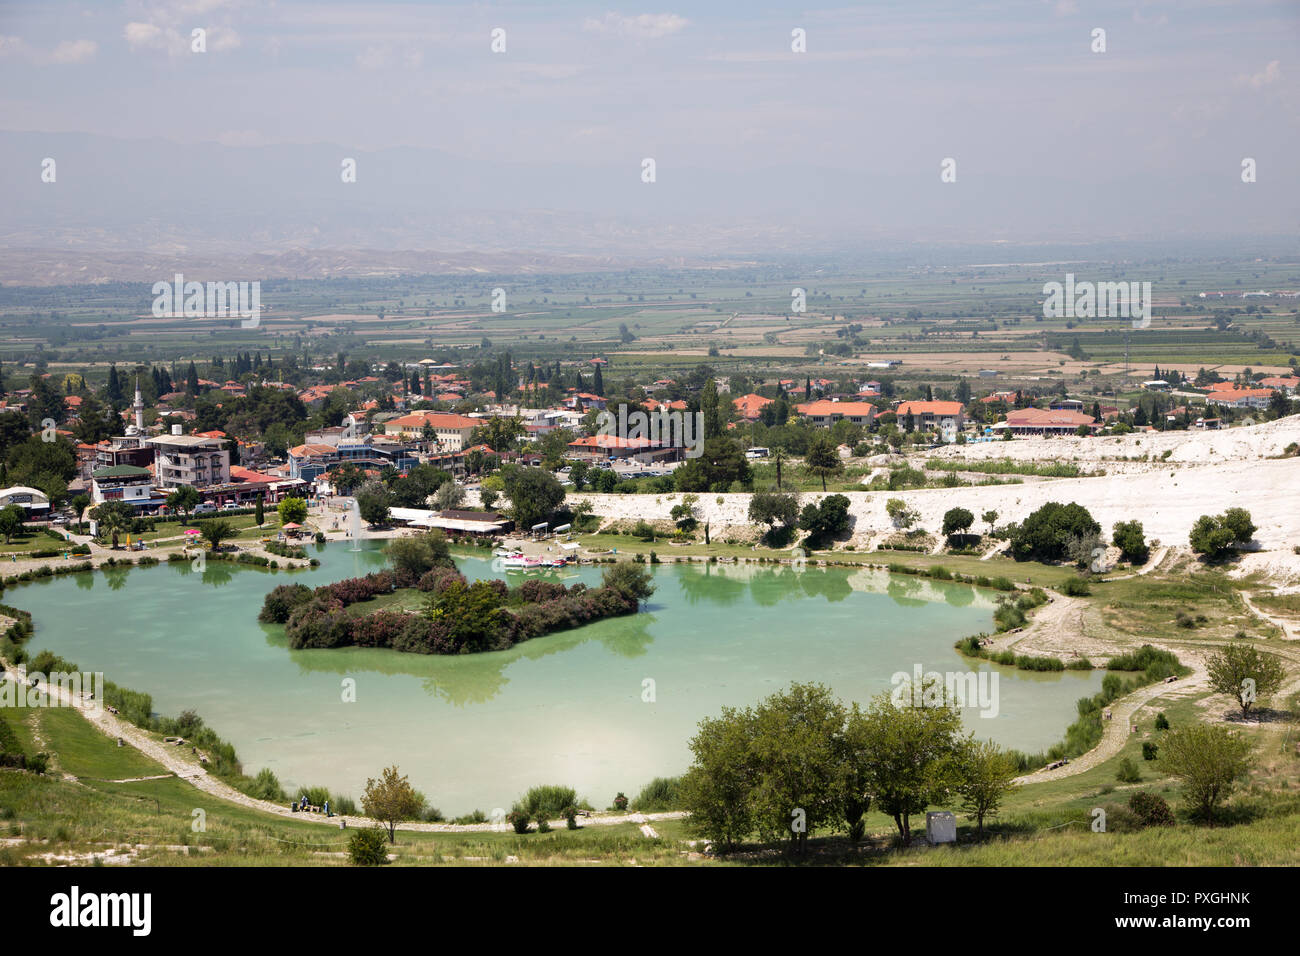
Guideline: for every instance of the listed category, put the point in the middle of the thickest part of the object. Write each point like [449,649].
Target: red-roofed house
[826,412]
[1240,397]
[1287,383]
[751,406]
[930,414]
[452,431]
[1041,421]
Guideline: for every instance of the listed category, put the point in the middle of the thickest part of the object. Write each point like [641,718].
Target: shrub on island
[458,617]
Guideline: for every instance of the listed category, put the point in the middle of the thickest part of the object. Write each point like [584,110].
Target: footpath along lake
[475,731]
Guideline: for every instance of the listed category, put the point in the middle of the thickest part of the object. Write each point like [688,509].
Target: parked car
[205,508]
[231,506]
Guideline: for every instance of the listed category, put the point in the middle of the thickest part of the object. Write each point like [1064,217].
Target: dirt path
[1287,628]
[1116,733]
[1152,563]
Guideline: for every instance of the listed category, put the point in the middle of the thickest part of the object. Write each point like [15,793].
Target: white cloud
[649,26]
[74,51]
[149,36]
[12,46]
[221,39]
[383,56]
[1271,73]
[168,25]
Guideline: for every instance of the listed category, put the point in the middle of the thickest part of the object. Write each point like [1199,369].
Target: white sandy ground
[1207,472]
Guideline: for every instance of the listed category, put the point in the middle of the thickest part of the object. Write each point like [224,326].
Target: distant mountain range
[128,209]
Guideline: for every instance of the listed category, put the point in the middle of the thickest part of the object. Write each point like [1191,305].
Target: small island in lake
[455,616]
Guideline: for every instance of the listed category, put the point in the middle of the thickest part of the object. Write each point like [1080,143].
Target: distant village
[256,437]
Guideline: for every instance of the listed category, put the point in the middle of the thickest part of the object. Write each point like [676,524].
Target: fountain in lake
[354,525]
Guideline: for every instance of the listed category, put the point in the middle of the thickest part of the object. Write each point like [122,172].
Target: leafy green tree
[553,446]
[1209,760]
[11,521]
[390,800]
[956,522]
[534,495]
[1046,534]
[39,463]
[910,757]
[823,459]
[774,508]
[630,580]
[987,776]
[1131,541]
[259,512]
[44,403]
[684,514]
[372,501]
[216,531]
[1216,535]
[347,477]
[901,515]
[1246,673]
[113,519]
[720,464]
[716,789]
[292,511]
[825,521]
[420,553]
[79,504]
[182,500]
[797,750]
[499,433]
[1238,521]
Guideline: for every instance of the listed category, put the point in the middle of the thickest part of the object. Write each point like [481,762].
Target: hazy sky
[1012,90]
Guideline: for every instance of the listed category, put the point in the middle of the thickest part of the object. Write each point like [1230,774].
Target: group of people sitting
[302,806]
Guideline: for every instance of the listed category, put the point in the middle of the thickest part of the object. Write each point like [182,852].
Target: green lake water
[475,731]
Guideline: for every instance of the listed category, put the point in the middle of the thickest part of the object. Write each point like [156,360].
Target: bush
[1151,809]
[548,800]
[1162,722]
[659,795]
[1044,535]
[519,820]
[1216,535]
[620,801]
[265,786]
[367,847]
[1128,772]
[1075,587]
[571,817]
[1149,750]
[280,603]
[1131,541]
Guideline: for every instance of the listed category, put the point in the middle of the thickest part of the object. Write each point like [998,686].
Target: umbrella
[291,526]
[193,531]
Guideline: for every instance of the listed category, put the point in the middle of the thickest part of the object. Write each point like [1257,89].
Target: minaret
[139,408]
